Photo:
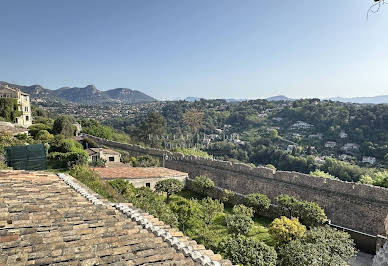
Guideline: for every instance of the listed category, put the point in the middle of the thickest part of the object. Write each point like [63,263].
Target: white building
[23,99]
[369,159]
[104,154]
[330,144]
[301,125]
[348,147]
[343,135]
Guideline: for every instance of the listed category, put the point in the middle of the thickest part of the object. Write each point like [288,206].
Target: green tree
[152,129]
[321,246]
[240,222]
[44,136]
[64,125]
[203,184]
[258,201]
[247,251]
[185,210]
[284,230]
[169,186]
[209,209]
[243,210]
[323,174]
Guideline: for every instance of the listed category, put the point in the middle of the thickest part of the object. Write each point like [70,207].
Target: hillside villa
[23,99]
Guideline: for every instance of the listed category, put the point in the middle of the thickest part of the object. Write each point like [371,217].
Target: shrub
[209,209]
[184,209]
[309,213]
[284,230]
[321,246]
[145,161]
[227,196]
[323,174]
[44,136]
[95,183]
[169,186]
[64,125]
[69,159]
[98,163]
[203,183]
[239,224]
[243,210]
[247,251]
[258,201]
[35,128]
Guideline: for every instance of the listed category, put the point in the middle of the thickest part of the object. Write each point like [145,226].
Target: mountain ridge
[83,95]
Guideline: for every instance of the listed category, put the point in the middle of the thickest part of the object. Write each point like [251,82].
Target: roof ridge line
[199,256]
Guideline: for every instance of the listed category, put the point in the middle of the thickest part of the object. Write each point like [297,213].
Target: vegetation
[377,179]
[309,213]
[144,161]
[258,201]
[246,251]
[63,125]
[283,230]
[9,109]
[195,152]
[203,184]
[169,186]
[320,173]
[320,246]
[94,182]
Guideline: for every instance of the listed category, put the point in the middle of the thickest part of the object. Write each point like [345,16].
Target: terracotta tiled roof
[43,221]
[138,172]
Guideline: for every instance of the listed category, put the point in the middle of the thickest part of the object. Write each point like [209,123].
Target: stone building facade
[23,99]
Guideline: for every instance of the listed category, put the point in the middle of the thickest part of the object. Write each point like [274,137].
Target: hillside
[363,100]
[83,95]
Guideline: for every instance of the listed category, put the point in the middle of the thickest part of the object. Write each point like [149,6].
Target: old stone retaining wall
[356,206]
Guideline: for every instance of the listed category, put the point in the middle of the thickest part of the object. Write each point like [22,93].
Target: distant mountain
[362,100]
[129,96]
[279,98]
[87,95]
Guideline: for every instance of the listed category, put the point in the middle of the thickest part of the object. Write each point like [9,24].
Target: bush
[243,210]
[323,174]
[227,196]
[98,163]
[240,222]
[44,136]
[169,186]
[258,201]
[202,184]
[64,125]
[309,213]
[69,159]
[284,230]
[185,210]
[145,161]
[35,128]
[209,209]
[246,251]
[321,246]
[95,183]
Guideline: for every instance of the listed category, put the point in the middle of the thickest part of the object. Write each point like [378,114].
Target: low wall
[358,207]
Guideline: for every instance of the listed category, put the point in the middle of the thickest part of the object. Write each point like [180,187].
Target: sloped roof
[138,172]
[44,221]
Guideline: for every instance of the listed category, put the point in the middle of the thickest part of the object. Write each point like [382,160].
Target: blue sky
[205,48]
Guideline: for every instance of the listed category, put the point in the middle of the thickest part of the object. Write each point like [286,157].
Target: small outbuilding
[140,176]
[99,153]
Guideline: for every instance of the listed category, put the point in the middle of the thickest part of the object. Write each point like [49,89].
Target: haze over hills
[86,95]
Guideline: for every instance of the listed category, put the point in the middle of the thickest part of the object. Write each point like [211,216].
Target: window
[26,109]
[111,159]
[148,184]
[94,158]
[27,118]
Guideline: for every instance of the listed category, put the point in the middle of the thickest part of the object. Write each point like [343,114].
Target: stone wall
[354,206]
